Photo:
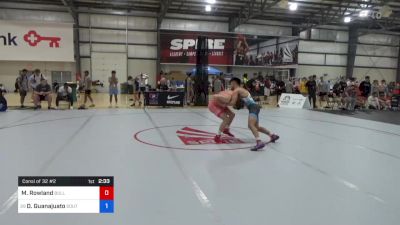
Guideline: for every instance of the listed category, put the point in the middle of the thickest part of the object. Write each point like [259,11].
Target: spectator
[383,89]
[64,93]
[303,88]
[42,93]
[323,89]
[312,91]
[113,88]
[289,86]
[365,87]
[3,101]
[189,89]
[245,79]
[217,84]
[142,79]
[23,86]
[351,95]
[87,86]
[136,91]
[373,102]
[375,87]
[173,84]
[164,83]
[280,87]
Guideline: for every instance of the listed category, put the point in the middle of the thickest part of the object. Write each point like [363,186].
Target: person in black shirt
[312,91]
[42,92]
[3,101]
[365,87]
[280,87]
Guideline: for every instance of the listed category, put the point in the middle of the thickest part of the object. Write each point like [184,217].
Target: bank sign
[32,41]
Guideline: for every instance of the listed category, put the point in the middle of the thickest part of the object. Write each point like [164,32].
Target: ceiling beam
[71,8]
[163,10]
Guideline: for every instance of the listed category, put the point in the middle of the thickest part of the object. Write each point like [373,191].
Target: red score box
[107,193]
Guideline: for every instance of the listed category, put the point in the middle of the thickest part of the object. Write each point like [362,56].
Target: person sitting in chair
[41,93]
[65,94]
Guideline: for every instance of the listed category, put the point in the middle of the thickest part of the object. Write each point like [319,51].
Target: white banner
[293,101]
[34,41]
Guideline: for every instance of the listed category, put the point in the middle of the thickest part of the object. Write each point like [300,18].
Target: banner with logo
[179,47]
[158,98]
[293,101]
[35,41]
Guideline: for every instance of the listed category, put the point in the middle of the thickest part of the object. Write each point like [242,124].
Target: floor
[386,116]
[325,169]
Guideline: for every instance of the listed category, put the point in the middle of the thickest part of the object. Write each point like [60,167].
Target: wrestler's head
[235,83]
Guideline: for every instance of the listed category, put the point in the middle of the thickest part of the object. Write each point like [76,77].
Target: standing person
[242,96]
[23,86]
[189,89]
[87,87]
[136,91]
[323,90]
[267,89]
[312,91]
[219,106]
[383,89]
[279,89]
[143,79]
[42,93]
[217,84]
[34,80]
[289,86]
[113,88]
[173,84]
[64,93]
[365,88]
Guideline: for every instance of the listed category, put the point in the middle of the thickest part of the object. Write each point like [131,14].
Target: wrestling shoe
[260,145]
[227,132]
[274,137]
[217,139]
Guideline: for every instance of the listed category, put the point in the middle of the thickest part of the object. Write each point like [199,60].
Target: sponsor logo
[33,39]
[190,136]
[153,98]
[8,40]
[172,97]
[185,44]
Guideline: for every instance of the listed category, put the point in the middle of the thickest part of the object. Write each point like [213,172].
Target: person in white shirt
[373,101]
[65,94]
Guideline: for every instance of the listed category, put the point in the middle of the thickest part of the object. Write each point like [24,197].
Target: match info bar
[65,194]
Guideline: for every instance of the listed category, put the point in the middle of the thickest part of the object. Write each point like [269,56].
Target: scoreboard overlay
[65,194]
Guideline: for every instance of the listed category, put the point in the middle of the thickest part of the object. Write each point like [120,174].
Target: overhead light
[363,13]
[208,8]
[347,19]
[211,1]
[292,6]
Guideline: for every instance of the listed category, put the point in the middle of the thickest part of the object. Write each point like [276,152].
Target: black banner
[65,181]
[159,98]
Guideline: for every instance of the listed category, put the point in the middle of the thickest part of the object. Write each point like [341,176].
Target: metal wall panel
[138,51]
[337,60]
[15,14]
[140,37]
[109,48]
[142,23]
[379,39]
[374,62]
[316,59]
[108,21]
[194,25]
[377,50]
[111,36]
[264,30]
[84,34]
[375,74]
[84,49]
[322,47]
